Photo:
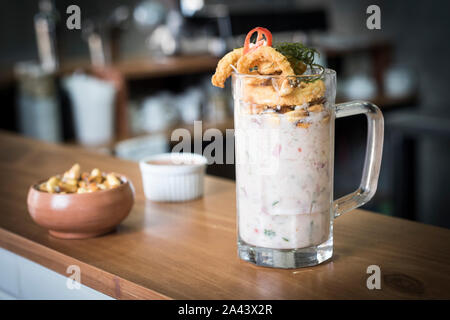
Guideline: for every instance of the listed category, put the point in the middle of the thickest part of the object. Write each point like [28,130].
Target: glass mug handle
[372,161]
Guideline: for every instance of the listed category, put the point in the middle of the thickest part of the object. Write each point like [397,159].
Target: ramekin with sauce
[173,177]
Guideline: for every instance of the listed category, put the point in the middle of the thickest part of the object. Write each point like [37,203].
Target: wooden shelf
[146,67]
[135,68]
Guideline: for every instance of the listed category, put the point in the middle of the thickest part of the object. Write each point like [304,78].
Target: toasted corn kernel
[101,186]
[296,115]
[69,188]
[73,173]
[83,190]
[304,125]
[71,182]
[52,184]
[43,186]
[112,180]
[93,187]
[316,108]
[96,175]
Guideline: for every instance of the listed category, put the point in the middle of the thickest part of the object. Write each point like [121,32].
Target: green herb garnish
[269,233]
[296,53]
[285,239]
[275,203]
[311,228]
[300,57]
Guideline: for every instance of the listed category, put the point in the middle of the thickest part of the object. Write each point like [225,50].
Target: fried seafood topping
[265,61]
[316,108]
[300,116]
[224,67]
[268,95]
[260,58]
[73,181]
[290,112]
[279,71]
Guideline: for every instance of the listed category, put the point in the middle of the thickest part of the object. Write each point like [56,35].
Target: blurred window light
[149,13]
[190,7]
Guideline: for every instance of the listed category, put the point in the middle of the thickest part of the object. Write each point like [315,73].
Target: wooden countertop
[188,250]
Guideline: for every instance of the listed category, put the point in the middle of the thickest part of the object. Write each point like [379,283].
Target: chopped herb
[269,233]
[311,229]
[297,54]
[312,205]
[285,239]
[300,57]
[275,203]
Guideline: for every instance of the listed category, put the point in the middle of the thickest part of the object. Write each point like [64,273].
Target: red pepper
[259,39]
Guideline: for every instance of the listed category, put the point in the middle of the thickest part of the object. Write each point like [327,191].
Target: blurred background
[138,69]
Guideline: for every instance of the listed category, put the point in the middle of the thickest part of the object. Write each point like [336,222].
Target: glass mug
[284,140]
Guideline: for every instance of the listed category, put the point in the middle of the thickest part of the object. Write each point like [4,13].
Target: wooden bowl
[80,216]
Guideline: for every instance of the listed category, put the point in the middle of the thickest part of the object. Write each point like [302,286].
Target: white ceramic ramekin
[173,182]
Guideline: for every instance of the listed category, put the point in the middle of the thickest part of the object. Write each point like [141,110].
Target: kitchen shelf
[135,68]
[146,67]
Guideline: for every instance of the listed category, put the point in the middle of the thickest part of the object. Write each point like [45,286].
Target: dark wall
[420,30]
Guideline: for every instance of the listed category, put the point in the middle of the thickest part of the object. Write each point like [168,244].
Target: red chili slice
[259,39]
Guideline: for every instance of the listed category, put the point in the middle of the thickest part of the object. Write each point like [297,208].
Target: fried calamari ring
[266,60]
[269,96]
[224,69]
[265,55]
